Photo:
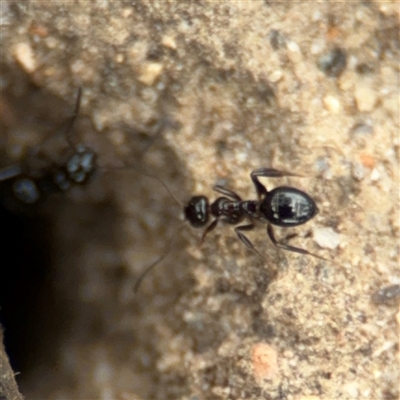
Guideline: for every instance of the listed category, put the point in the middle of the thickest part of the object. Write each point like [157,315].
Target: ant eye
[26,191]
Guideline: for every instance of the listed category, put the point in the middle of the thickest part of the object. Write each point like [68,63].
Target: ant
[22,187]
[283,206]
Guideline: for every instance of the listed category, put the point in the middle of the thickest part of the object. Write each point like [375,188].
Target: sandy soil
[197,94]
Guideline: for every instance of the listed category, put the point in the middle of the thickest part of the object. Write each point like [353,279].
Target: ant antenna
[157,261]
[173,237]
[72,119]
[140,171]
[65,129]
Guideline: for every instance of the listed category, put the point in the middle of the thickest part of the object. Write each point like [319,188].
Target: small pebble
[119,58]
[326,238]
[6,15]
[364,68]
[351,389]
[386,294]
[365,97]
[276,39]
[375,175]
[358,171]
[333,63]
[24,55]
[294,52]
[169,42]
[150,73]
[276,76]
[321,164]
[361,128]
[367,160]
[332,104]
[391,104]
[264,361]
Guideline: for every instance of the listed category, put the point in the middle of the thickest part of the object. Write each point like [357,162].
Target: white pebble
[276,76]
[24,54]
[351,389]
[375,175]
[326,238]
[294,52]
[332,104]
[358,171]
[293,47]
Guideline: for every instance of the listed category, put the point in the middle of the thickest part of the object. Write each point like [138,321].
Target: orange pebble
[367,160]
[264,361]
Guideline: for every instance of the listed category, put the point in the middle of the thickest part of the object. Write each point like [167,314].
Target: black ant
[283,206]
[22,187]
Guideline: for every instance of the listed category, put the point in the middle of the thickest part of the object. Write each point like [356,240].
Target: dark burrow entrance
[31,315]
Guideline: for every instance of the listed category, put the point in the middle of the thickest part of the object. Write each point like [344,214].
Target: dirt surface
[199,94]
[8,385]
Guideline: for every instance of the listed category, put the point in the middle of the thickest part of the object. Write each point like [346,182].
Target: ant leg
[10,172]
[245,239]
[67,125]
[227,192]
[39,154]
[290,236]
[267,173]
[209,228]
[66,128]
[157,261]
[288,247]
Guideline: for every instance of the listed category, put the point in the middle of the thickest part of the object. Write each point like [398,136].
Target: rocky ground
[197,94]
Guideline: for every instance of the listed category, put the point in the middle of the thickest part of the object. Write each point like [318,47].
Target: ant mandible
[283,206]
[23,187]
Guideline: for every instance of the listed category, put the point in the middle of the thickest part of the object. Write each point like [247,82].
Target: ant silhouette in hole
[283,206]
[22,188]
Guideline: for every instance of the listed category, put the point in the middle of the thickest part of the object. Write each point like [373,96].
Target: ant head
[197,211]
[287,206]
[81,165]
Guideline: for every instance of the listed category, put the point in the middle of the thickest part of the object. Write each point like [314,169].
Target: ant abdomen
[286,206]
